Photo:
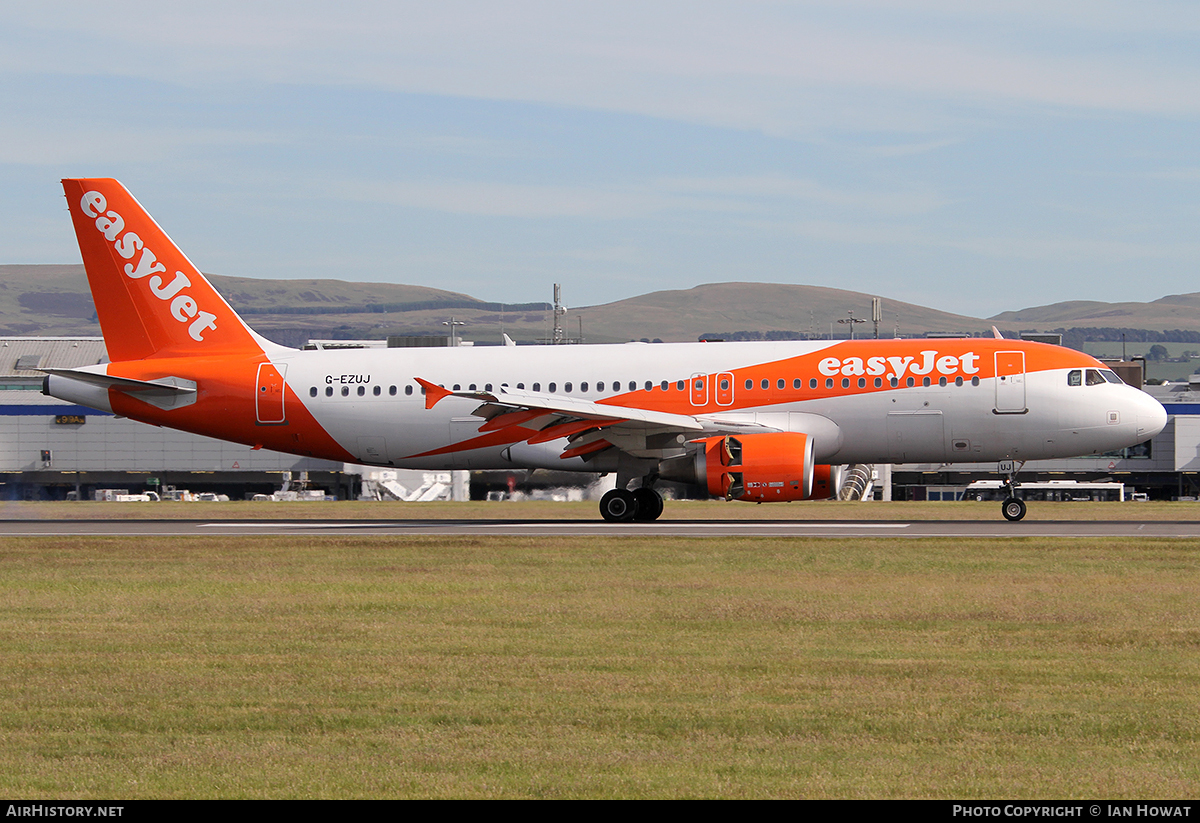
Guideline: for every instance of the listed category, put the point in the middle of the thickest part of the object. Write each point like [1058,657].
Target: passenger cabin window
[1075,377]
[378,390]
[600,386]
[537,386]
[567,388]
[679,386]
[749,384]
[312,392]
[552,387]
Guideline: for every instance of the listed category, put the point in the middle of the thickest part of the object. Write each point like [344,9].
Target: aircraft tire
[649,504]
[618,506]
[1013,508]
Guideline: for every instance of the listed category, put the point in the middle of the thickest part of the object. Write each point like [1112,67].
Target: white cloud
[729,195]
[41,144]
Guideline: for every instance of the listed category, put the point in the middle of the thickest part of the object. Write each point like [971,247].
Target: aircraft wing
[589,427]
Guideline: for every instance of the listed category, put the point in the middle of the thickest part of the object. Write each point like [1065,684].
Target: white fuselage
[955,422]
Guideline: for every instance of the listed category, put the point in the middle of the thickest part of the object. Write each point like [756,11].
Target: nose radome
[1151,416]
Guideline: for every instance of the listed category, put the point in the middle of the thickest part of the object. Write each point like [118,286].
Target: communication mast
[560,335]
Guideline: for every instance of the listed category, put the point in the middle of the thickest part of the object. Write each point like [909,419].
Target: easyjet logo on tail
[183,306]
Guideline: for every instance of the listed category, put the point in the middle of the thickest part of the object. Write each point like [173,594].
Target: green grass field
[613,667]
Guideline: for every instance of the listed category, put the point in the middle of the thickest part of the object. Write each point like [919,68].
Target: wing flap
[519,399]
[589,427]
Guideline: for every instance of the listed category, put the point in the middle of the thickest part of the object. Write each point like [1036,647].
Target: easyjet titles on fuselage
[184,307]
[948,365]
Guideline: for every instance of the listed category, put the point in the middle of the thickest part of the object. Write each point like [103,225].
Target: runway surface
[597,528]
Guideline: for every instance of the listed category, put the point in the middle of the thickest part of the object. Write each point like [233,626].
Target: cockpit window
[1111,376]
[1075,377]
[1094,378]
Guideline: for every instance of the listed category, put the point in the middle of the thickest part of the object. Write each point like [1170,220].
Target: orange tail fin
[150,299]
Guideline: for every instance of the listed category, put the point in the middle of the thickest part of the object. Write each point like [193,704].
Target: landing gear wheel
[1013,508]
[618,506]
[649,504]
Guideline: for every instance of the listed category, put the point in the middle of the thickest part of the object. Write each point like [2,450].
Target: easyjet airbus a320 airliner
[760,422]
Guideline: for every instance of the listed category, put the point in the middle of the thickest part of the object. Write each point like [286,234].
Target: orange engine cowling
[764,468]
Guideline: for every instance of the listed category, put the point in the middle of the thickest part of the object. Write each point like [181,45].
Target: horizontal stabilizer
[166,385]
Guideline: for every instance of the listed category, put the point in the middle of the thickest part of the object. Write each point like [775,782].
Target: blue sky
[974,157]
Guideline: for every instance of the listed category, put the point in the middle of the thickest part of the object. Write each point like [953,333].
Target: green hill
[52,300]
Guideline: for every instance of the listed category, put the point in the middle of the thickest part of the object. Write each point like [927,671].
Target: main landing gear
[621,505]
[1013,507]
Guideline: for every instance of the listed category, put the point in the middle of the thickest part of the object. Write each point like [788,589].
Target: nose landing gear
[1013,507]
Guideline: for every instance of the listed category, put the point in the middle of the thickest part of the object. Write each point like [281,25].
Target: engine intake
[758,468]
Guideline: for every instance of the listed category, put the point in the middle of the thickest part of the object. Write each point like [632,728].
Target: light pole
[453,324]
[850,321]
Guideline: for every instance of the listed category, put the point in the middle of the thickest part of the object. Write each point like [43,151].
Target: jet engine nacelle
[763,468]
